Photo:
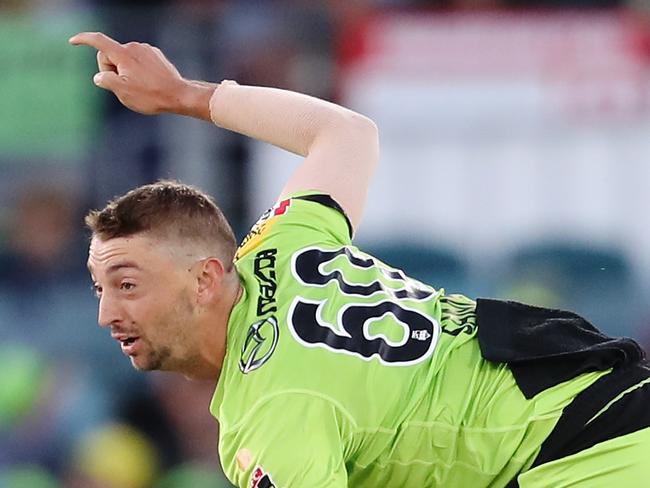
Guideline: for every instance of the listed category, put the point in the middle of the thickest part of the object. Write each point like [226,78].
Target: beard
[153,359]
[170,346]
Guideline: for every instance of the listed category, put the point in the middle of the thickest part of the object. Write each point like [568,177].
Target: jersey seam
[428,462]
[446,426]
[513,460]
[438,424]
[309,393]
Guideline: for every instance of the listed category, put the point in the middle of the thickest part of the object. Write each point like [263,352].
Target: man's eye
[127,286]
[97,290]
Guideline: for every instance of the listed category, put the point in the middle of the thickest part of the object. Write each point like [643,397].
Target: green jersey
[342,371]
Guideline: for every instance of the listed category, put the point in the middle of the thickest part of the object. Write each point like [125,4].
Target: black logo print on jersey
[262,336]
[458,315]
[264,270]
[259,345]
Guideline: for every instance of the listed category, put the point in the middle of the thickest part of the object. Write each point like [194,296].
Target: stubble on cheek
[152,358]
[168,344]
[167,350]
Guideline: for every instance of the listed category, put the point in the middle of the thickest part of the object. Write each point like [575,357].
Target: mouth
[129,344]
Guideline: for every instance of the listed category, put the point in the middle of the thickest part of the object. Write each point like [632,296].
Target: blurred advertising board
[49,107]
[499,129]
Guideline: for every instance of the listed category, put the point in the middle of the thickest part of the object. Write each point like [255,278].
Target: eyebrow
[121,265]
[116,267]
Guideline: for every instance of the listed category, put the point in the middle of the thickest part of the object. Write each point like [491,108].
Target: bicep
[340,163]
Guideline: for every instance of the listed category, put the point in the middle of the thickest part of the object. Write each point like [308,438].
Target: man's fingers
[105,64]
[108,80]
[99,41]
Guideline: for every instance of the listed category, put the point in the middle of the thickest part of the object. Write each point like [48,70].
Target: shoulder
[299,219]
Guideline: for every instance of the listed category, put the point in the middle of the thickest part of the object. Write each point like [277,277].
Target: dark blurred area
[72,411]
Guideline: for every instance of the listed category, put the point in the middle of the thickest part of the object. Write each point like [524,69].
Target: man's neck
[214,326]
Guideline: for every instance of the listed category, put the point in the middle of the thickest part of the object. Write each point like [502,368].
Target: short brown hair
[166,209]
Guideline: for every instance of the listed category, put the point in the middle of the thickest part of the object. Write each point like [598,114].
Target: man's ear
[210,280]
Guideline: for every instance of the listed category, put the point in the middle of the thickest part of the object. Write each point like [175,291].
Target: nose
[109,311]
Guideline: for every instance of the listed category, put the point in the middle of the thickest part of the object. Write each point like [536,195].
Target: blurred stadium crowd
[72,412]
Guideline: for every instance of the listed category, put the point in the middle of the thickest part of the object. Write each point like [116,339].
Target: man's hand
[143,79]
[340,147]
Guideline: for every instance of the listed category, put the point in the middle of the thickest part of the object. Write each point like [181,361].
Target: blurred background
[515,164]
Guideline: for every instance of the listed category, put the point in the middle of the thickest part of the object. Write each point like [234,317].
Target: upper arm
[340,162]
[293,440]
[339,146]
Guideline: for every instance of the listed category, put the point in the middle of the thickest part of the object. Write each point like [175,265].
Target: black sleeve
[545,347]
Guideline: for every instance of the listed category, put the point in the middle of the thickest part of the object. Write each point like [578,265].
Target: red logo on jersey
[261,479]
[282,207]
[258,233]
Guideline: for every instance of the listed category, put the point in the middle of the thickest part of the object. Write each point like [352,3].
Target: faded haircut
[168,210]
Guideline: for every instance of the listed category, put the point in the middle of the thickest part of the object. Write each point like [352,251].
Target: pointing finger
[99,41]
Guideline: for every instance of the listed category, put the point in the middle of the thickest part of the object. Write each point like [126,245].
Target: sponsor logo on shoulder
[256,235]
[261,479]
[281,207]
[262,336]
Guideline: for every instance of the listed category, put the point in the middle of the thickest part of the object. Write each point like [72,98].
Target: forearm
[340,147]
[289,120]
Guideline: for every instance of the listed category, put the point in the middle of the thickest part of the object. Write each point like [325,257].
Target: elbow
[369,129]
[370,135]
[361,126]
[362,132]
[351,135]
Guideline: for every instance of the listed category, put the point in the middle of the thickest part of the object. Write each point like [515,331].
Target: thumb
[108,80]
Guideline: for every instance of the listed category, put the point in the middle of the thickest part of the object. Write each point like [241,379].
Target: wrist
[217,112]
[193,99]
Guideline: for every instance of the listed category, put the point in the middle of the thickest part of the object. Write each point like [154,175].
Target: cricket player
[332,368]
